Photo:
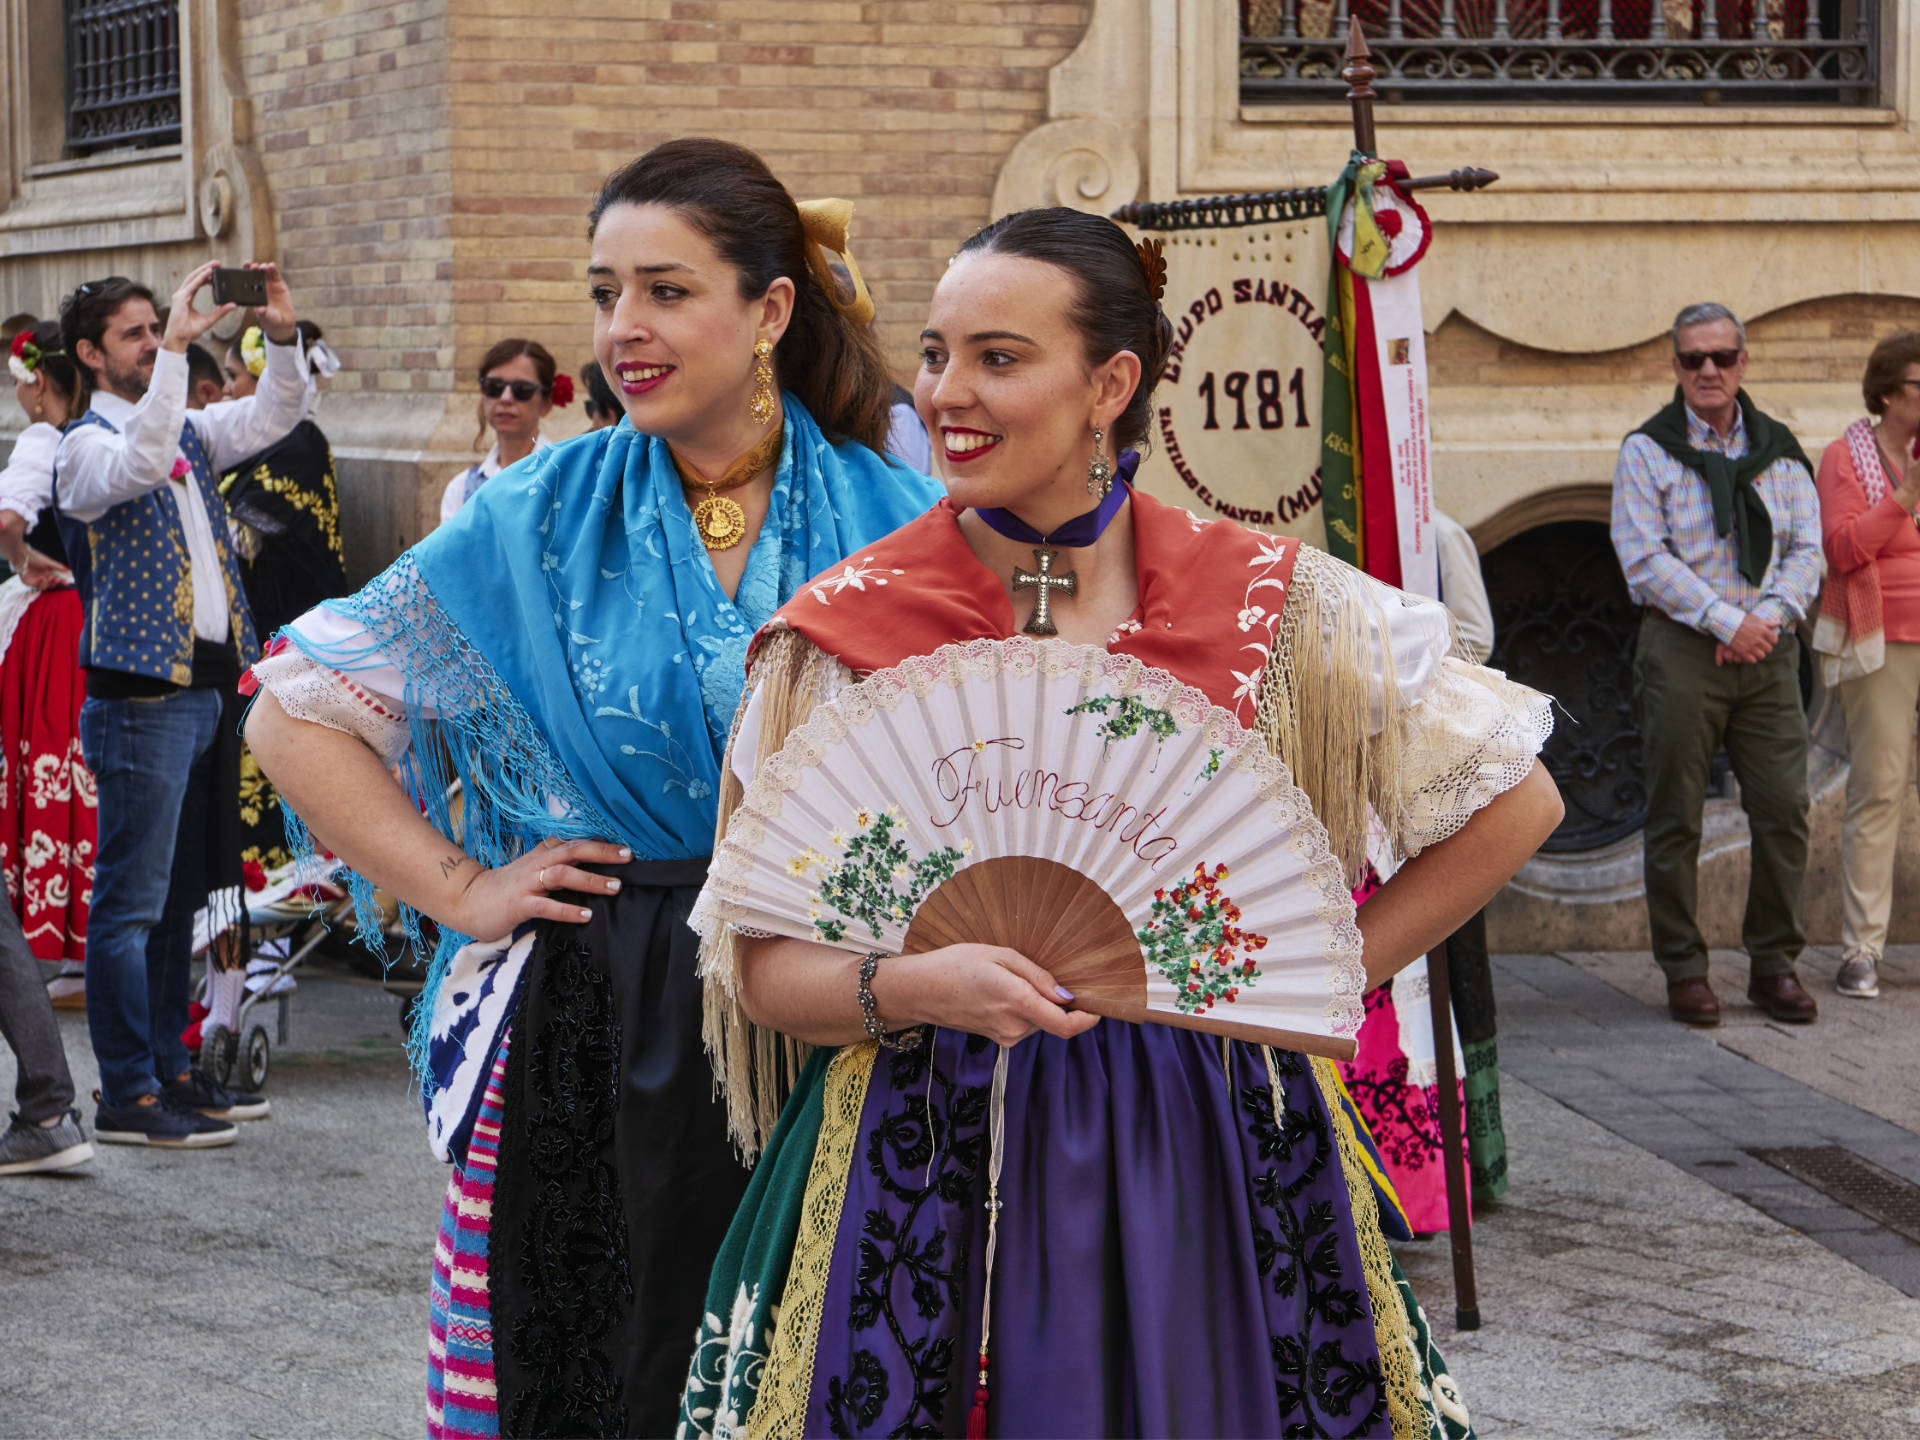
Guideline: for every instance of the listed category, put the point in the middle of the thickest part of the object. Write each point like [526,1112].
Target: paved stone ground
[279,1288]
[274,1288]
[1859,1051]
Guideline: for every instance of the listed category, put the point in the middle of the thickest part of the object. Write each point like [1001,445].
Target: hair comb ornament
[825,223]
[1153,260]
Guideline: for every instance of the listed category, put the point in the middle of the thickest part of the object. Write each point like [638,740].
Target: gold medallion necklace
[721,522]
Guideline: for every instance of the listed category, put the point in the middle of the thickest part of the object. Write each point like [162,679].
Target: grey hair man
[1717,526]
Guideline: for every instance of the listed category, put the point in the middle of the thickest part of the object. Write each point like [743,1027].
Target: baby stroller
[297,909]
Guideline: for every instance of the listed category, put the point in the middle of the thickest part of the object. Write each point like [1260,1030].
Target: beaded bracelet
[870,1015]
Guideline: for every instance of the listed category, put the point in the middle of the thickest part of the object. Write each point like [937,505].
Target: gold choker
[720,521]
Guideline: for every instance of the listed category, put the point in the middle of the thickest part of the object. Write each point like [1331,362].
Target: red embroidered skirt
[47,802]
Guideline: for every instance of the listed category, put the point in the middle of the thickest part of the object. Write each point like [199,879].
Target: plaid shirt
[1663,534]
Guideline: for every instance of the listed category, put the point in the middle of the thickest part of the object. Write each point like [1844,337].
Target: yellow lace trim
[780,1411]
[1399,1362]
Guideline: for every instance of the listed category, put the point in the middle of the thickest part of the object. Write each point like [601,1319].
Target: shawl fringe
[754,1068]
[1327,702]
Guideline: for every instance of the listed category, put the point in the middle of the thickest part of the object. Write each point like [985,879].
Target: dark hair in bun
[1113,308]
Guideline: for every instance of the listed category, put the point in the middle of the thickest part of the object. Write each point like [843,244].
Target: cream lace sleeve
[1472,736]
[754,1069]
[1367,700]
[309,690]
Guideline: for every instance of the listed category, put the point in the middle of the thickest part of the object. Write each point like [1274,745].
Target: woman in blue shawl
[570,651]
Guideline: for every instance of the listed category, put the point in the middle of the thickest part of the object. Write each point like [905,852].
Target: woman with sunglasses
[572,651]
[519,386]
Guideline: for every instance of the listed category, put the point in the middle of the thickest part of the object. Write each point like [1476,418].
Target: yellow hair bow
[825,223]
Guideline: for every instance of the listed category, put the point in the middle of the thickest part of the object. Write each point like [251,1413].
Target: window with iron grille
[123,73]
[1586,52]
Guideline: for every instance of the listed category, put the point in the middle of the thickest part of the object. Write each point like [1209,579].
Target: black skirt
[616,1180]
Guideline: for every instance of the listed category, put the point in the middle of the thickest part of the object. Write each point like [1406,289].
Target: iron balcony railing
[123,73]
[1587,52]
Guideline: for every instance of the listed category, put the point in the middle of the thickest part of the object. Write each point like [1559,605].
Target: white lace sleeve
[365,704]
[743,754]
[1470,735]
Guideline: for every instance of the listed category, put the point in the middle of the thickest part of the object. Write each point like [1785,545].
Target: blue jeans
[151,762]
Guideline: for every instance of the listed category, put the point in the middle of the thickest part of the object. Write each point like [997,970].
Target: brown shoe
[1692,1002]
[1783,997]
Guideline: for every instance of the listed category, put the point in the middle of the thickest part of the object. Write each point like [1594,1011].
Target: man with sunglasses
[1717,525]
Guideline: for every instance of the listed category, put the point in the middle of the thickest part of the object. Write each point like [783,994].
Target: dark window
[1563,624]
[1587,52]
[123,73]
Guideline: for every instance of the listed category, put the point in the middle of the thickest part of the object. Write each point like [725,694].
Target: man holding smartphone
[167,633]
[1717,527]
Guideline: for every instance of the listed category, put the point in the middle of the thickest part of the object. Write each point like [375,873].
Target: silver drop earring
[1099,468]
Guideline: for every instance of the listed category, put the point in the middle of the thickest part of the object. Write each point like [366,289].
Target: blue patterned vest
[135,576]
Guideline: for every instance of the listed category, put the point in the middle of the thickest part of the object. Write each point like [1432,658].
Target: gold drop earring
[1100,467]
[760,407]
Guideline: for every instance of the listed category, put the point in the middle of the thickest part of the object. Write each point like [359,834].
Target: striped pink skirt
[462,1399]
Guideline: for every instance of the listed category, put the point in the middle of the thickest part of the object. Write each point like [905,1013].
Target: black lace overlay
[1324,1389]
[1404,1118]
[616,1180]
[564,1227]
[926,1152]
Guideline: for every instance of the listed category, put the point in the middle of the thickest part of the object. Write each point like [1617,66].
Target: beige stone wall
[354,137]
[907,108]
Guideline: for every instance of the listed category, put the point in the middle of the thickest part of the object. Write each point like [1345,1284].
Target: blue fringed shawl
[568,654]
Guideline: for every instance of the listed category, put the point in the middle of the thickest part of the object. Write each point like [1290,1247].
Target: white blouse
[26,485]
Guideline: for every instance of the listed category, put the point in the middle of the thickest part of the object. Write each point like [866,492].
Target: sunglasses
[493,387]
[1694,359]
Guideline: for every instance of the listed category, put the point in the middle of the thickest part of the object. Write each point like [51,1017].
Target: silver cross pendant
[1046,582]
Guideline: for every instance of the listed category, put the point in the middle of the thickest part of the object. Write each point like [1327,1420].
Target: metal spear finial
[1358,74]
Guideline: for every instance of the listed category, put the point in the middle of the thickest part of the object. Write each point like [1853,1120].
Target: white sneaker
[1859,976]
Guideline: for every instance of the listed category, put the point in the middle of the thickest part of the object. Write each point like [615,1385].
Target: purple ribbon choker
[1082,530]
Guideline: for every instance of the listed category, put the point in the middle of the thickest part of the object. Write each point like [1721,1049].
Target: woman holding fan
[978,1204]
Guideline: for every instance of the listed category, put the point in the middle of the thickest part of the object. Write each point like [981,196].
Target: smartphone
[235,286]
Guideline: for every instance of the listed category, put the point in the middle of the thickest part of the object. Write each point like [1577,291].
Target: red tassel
[977,1416]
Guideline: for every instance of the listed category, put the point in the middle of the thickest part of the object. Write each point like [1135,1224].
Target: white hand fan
[1092,813]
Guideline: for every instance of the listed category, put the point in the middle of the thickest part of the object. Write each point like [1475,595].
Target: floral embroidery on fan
[877,878]
[1124,717]
[852,576]
[1195,941]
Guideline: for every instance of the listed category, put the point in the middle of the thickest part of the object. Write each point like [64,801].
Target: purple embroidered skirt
[1173,1257]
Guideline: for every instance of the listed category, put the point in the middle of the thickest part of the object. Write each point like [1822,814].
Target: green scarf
[1737,504]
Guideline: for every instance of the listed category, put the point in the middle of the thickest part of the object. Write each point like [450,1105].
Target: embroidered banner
[1236,423]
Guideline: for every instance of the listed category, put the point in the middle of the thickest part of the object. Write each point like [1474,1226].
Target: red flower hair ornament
[562,391]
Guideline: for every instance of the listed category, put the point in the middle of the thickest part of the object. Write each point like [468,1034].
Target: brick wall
[351,110]
[907,107]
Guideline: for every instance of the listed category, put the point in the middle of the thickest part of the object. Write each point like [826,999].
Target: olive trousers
[1688,708]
